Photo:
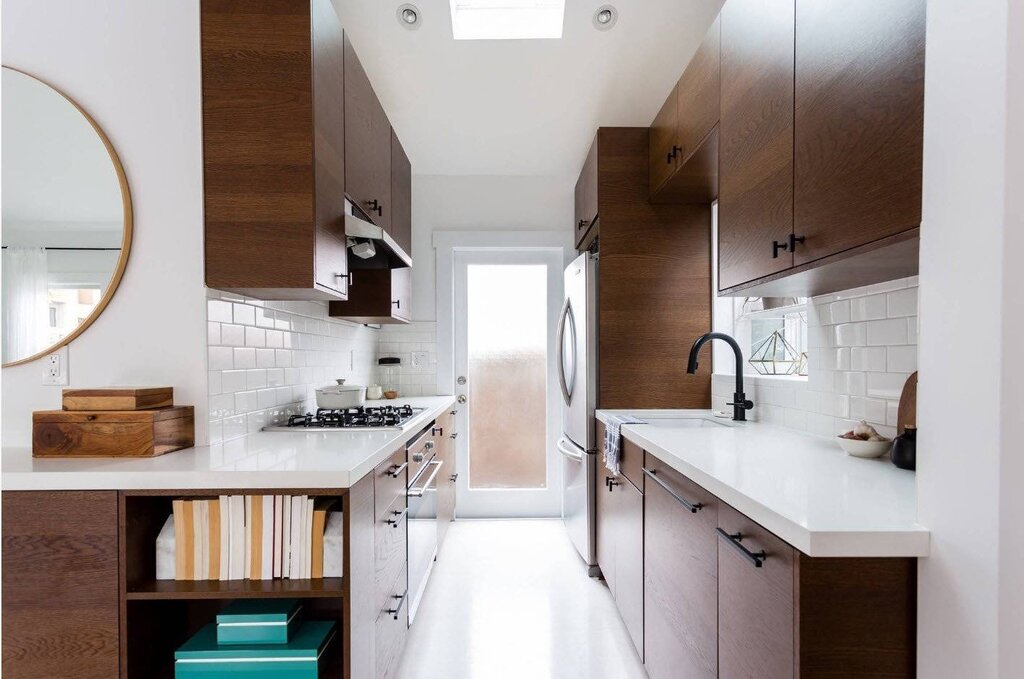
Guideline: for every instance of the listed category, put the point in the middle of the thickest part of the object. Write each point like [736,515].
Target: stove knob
[417,457]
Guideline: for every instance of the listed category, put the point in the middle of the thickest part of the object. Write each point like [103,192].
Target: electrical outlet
[55,368]
[419,359]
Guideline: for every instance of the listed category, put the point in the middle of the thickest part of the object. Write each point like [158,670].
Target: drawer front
[631,462]
[680,576]
[392,628]
[389,482]
[420,451]
[755,604]
[391,538]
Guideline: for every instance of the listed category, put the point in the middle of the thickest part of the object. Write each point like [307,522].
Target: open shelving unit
[157,616]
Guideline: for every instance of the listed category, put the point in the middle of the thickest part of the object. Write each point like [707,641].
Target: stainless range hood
[358,229]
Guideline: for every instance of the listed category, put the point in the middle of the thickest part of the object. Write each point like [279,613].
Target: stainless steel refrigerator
[577,377]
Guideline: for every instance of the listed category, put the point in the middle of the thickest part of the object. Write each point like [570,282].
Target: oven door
[422,529]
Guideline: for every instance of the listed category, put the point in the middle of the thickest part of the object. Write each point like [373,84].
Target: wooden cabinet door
[401,293]
[586,194]
[755,604]
[605,515]
[859,122]
[664,149]
[755,199]
[367,144]
[629,559]
[680,577]
[698,94]
[401,196]
[448,477]
[60,584]
[328,42]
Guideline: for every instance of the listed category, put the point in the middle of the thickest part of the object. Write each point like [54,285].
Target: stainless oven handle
[418,492]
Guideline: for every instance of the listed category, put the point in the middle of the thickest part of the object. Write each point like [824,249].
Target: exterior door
[507,302]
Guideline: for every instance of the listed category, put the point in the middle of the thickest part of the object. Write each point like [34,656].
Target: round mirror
[67,219]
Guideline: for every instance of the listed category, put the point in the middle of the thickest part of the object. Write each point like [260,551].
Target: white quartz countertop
[300,459]
[801,487]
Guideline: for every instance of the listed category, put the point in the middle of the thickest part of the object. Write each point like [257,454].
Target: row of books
[257,537]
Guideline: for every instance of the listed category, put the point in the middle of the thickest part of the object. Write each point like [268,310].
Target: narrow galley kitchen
[504,339]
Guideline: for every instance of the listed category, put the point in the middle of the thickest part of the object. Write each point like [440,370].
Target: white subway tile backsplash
[274,353]
[861,348]
[867,358]
[850,335]
[219,358]
[232,335]
[867,308]
[902,359]
[892,331]
[886,385]
[902,303]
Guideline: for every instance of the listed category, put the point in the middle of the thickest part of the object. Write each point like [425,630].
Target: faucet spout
[740,404]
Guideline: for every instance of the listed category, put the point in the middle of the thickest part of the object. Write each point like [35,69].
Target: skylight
[507,19]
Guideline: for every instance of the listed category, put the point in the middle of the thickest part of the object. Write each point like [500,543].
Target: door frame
[556,247]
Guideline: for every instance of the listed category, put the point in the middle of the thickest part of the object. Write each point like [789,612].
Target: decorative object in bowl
[864,441]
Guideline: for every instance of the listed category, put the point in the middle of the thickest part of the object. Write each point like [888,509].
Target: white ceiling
[521,107]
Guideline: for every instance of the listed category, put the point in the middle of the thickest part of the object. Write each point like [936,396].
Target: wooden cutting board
[907,414]
[118,398]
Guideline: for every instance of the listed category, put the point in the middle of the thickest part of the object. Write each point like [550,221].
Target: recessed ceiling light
[507,19]
[409,16]
[605,17]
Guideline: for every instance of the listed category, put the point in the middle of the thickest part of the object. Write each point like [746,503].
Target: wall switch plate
[419,359]
[55,368]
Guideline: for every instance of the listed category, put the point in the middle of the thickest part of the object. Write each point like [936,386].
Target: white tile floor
[511,599]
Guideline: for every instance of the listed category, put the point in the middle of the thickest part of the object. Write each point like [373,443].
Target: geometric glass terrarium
[775,356]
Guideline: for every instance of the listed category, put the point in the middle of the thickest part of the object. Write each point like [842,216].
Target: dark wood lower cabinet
[680,576]
[60,585]
[755,604]
[620,550]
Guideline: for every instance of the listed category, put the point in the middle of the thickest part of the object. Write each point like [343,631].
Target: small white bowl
[858,448]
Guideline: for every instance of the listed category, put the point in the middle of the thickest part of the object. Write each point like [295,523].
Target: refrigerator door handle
[566,319]
[569,450]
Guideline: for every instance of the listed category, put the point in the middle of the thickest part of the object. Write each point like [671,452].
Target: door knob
[461,380]
[462,398]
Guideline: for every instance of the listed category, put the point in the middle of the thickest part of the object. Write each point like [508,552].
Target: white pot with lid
[339,396]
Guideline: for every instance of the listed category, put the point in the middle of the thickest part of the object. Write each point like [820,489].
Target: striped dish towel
[613,440]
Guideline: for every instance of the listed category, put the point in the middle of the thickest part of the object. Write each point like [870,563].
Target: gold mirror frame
[126,240]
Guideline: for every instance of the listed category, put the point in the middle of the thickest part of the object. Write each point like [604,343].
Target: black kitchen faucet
[740,404]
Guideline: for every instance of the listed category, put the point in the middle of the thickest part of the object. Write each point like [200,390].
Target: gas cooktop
[374,418]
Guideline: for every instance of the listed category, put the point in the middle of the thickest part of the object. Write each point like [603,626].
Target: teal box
[202,658]
[258,621]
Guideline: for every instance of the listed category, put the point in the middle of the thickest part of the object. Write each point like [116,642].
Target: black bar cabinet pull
[393,612]
[756,558]
[397,517]
[794,239]
[397,469]
[437,431]
[692,507]
[778,247]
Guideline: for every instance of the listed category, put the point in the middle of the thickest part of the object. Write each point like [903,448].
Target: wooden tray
[121,433]
[118,398]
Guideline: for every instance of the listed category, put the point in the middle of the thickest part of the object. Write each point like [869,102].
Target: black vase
[904,449]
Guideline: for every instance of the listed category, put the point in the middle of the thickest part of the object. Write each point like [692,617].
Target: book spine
[286,537]
[178,508]
[213,539]
[224,547]
[247,573]
[267,561]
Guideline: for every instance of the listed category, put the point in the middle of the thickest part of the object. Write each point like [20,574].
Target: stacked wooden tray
[113,422]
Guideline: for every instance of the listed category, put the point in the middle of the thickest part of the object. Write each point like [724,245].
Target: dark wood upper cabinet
[755,199]
[859,123]
[401,196]
[664,141]
[273,152]
[367,144]
[680,577]
[60,584]
[377,296]
[684,135]
[586,198]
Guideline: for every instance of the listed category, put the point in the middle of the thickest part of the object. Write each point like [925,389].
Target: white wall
[1011,471]
[478,203]
[134,66]
[962,356]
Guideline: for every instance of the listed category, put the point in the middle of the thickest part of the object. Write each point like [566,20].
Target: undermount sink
[682,422]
